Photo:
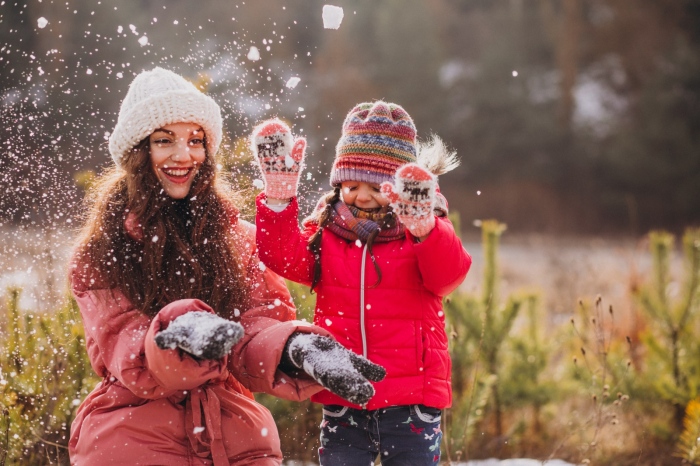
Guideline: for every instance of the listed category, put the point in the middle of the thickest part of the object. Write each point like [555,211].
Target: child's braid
[315,240]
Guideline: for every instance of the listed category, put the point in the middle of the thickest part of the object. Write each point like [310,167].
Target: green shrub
[674,351]
[45,374]
[482,319]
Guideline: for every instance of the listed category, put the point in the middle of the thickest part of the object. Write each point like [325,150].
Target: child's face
[364,196]
[177,152]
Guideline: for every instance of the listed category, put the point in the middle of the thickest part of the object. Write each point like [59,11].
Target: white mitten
[280,157]
[412,197]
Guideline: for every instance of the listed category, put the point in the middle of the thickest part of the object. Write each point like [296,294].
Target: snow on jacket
[399,324]
[163,407]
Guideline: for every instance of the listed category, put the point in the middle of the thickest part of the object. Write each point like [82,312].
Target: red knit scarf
[351,223]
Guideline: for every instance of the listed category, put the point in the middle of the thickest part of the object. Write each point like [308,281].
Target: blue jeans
[400,435]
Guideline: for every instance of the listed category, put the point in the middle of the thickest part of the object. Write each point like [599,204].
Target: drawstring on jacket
[203,423]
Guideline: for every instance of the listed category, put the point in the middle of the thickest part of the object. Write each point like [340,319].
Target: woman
[181,319]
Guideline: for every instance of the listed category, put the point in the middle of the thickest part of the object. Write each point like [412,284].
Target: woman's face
[177,152]
[364,196]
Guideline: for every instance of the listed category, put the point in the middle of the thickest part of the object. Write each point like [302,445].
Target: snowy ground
[513,462]
[488,462]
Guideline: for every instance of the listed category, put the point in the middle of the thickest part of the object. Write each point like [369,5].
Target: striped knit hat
[377,138]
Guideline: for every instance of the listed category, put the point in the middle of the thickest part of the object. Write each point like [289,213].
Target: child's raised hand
[412,197]
[280,157]
[335,367]
[201,334]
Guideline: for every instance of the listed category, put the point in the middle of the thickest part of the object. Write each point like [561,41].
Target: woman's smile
[177,174]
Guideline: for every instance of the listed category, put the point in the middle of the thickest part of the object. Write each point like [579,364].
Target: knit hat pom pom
[435,157]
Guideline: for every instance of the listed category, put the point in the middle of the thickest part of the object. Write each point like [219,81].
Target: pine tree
[674,320]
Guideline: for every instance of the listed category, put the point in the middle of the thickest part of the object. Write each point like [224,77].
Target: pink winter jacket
[162,407]
[399,324]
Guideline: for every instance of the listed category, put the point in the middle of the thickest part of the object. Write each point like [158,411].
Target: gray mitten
[336,368]
[201,334]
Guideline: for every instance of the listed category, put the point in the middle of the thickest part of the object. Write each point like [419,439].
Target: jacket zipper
[362,302]
[362,306]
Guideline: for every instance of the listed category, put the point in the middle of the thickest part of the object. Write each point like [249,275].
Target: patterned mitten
[280,157]
[412,197]
[201,334]
[336,368]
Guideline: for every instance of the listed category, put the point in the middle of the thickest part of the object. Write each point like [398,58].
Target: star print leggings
[399,435]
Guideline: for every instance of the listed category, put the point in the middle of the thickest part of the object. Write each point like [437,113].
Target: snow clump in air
[42,22]
[253,54]
[332,16]
[292,82]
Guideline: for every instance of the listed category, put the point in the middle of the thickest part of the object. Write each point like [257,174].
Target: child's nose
[364,195]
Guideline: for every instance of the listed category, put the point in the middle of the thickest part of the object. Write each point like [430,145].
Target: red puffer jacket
[162,407]
[400,323]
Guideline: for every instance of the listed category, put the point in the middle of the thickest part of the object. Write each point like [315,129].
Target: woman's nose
[181,152]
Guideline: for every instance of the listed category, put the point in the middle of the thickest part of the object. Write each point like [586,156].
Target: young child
[380,261]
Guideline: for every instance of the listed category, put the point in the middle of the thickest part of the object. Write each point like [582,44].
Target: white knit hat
[157,98]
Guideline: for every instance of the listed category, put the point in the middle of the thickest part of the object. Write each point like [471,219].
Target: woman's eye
[161,141]
[196,142]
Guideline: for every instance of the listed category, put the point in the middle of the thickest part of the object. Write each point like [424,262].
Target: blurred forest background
[572,116]
[578,126]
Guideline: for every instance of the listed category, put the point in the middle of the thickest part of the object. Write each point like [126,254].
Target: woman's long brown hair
[188,249]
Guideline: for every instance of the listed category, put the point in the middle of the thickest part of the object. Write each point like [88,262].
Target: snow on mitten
[201,334]
[336,368]
[412,197]
[280,157]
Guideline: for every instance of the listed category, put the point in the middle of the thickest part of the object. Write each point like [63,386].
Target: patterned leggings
[400,435]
